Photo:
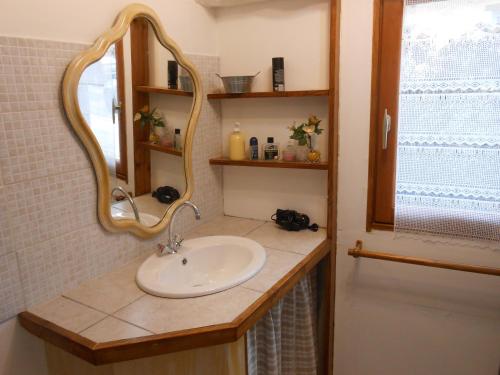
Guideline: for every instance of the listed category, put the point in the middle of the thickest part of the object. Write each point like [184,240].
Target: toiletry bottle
[177,140]
[173,73]
[289,153]
[271,150]
[254,149]
[278,74]
[236,144]
[168,139]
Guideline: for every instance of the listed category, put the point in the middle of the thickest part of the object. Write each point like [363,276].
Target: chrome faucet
[130,200]
[174,239]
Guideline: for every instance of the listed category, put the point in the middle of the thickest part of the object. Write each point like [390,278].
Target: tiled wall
[50,239]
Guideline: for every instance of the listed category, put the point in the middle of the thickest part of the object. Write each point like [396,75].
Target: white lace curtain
[448,168]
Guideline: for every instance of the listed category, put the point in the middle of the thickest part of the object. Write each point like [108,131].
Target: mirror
[134,99]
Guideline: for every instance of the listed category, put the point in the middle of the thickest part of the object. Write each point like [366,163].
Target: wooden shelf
[162,90]
[270,163]
[271,94]
[156,147]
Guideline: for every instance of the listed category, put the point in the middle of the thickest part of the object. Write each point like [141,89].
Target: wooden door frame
[328,266]
[139,30]
[384,94]
[122,166]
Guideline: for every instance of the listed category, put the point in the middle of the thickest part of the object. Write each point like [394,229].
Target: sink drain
[184,261]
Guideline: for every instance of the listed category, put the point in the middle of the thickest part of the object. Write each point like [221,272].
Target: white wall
[249,37]
[393,318]
[298,30]
[258,192]
[191,25]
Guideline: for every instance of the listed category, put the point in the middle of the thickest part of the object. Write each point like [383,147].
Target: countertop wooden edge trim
[270,163]
[163,90]
[148,346]
[58,336]
[271,94]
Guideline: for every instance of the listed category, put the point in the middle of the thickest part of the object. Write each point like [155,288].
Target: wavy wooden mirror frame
[80,126]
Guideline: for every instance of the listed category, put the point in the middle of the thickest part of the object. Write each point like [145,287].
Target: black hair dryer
[293,221]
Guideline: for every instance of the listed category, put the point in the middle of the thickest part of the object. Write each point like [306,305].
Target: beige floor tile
[162,315]
[67,314]
[278,264]
[110,329]
[303,242]
[110,292]
[227,226]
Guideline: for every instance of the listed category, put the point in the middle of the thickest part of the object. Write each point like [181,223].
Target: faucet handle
[161,248]
[178,239]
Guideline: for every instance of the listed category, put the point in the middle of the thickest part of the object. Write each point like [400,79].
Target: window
[435,126]
[387,29]
[101,97]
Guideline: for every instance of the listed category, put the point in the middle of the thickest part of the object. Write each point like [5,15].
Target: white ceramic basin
[146,219]
[202,266]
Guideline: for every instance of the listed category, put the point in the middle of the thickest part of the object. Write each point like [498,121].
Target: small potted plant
[155,121]
[303,135]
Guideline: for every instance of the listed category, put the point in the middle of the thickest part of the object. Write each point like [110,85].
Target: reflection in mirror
[137,101]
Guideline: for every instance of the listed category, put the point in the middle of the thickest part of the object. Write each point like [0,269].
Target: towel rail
[359,252]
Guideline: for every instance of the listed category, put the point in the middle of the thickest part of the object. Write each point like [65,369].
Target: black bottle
[173,73]
[177,140]
[278,74]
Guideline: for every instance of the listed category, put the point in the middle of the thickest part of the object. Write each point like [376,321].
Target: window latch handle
[386,129]
[115,107]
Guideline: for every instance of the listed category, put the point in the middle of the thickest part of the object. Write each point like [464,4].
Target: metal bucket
[237,84]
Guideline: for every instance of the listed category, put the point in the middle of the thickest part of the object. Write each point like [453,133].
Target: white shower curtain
[284,341]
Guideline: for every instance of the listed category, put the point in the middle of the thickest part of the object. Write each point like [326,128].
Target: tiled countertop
[112,307]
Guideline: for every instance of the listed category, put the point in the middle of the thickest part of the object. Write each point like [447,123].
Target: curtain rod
[359,252]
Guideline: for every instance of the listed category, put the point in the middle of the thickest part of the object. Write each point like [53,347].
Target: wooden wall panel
[227,359]
[140,77]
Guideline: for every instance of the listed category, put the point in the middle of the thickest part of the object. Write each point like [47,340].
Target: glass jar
[301,153]
[289,153]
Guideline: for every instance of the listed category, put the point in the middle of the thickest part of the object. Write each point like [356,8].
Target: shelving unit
[143,91]
[162,90]
[270,163]
[160,148]
[271,94]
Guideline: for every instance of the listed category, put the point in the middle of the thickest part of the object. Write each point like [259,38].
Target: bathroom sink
[146,219]
[202,266]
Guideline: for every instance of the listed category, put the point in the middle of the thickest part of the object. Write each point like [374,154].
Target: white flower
[309,129]
[137,116]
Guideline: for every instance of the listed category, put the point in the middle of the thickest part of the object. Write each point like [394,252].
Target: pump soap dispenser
[236,144]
